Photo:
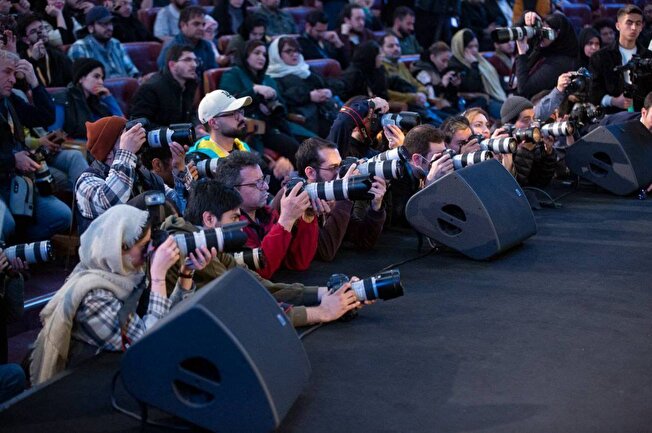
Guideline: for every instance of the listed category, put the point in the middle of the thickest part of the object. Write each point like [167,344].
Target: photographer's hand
[622,102]
[563,81]
[531,18]
[166,255]
[380,104]
[293,206]
[395,136]
[17,266]
[24,163]
[441,166]
[199,259]
[334,305]
[178,157]
[378,189]
[48,143]
[133,139]
[4,262]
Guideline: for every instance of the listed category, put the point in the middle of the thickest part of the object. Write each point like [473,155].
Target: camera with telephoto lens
[529,135]
[580,82]
[558,129]
[182,133]
[538,32]
[465,159]
[33,253]
[405,120]
[207,167]
[352,188]
[636,64]
[252,258]
[274,106]
[388,165]
[499,145]
[385,285]
[42,176]
[585,113]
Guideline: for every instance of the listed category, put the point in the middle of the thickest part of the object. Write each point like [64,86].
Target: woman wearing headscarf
[305,92]
[95,310]
[538,67]
[589,43]
[366,75]
[481,86]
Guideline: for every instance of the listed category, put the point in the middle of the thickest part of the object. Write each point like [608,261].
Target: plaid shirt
[96,320]
[113,56]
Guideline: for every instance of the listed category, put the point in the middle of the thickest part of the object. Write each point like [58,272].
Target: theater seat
[144,55]
[123,89]
[408,59]
[326,67]
[299,13]
[578,13]
[147,17]
[487,54]
[223,42]
[379,34]
[212,79]
[611,10]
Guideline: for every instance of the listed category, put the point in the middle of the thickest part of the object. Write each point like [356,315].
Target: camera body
[182,133]
[580,82]
[585,113]
[353,188]
[405,120]
[538,32]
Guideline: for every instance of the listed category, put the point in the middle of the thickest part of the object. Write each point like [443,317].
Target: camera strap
[359,122]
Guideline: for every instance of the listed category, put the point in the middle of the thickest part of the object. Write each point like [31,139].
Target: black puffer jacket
[534,167]
[78,110]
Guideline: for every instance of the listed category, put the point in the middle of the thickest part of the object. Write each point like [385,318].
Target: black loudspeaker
[616,157]
[479,211]
[228,359]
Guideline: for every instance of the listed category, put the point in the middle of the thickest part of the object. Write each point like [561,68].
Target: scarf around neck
[278,68]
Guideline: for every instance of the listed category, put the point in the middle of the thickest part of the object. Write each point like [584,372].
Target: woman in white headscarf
[95,310]
[305,92]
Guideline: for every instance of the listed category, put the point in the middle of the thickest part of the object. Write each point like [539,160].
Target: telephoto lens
[207,167]
[229,238]
[352,188]
[529,135]
[399,153]
[36,252]
[558,129]
[405,120]
[385,286]
[499,145]
[389,169]
[182,133]
[253,259]
[506,34]
[466,159]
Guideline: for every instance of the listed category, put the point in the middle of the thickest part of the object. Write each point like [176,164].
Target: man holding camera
[358,222]
[616,90]
[212,205]
[288,238]
[426,145]
[459,135]
[48,215]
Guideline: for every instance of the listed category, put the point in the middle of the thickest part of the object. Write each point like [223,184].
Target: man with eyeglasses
[359,223]
[52,67]
[289,237]
[126,26]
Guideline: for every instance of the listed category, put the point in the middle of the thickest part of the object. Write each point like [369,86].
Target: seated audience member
[166,25]
[475,18]
[86,99]
[75,12]
[317,42]
[352,32]
[366,75]
[371,21]
[191,32]
[432,71]
[50,215]
[252,29]
[63,24]
[538,67]
[457,131]
[357,222]
[288,238]
[534,164]
[100,45]
[589,44]
[403,29]
[608,86]
[248,77]
[52,67]
[503,63]
[304,91]
[607,29]
[126,26]
[212,205]
[210,36]
[95,309]
[481,85]
[230,14]
[646,33]
[167,96]
[426,145]
[279,22]
[356,127]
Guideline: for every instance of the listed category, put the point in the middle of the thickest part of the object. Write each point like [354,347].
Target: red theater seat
[123,89]
[144,55]
[578,13]
[147,17]
[212,78]
[223,42]
[326,67]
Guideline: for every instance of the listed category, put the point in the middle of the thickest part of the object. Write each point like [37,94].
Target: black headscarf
[585,36]
[241,60]
[565,44]
[364,59]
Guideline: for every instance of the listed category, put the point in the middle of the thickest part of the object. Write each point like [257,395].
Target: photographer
[169,164]
[426,145]
[212,205]
[357,222]
[457,132]
[612,89]
[539,66]
[288,237]
[96,308]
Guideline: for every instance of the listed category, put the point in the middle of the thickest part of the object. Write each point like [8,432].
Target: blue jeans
[51,216]
[12,381]
[66,167]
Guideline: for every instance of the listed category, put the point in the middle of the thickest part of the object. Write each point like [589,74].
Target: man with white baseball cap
[223,117]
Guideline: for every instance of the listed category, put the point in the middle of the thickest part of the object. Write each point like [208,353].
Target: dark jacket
[349,47]
[40,113]
[202,50]
[474,16]
[534,167]
[607,82]
[544,74]
[222,14]
[78,110]
[449,92]
[311,49]
[471,78]
[130,29]
[56,71]
[11,308]
[163,102]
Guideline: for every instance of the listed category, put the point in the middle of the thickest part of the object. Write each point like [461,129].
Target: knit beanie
[102,135]
[83,66]
[512,107]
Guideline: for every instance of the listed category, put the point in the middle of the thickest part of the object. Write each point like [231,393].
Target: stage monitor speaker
[227,359]
[617,157]
[479,211]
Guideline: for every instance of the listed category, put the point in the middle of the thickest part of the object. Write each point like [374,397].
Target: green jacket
[296,294]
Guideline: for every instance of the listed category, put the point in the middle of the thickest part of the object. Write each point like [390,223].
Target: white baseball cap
[218,102]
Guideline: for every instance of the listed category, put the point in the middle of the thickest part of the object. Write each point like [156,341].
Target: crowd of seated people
[259,107]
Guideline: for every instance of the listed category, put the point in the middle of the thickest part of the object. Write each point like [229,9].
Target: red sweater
[293,250]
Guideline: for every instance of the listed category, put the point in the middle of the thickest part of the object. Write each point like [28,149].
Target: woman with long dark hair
[366,75]
[230,14]
[253,28]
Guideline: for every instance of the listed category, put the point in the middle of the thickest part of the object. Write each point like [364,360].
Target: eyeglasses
[260,183]
[239,112]
[333,168]
[190,60]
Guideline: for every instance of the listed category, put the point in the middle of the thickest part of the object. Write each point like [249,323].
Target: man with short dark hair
[191,25]
[317,42]
[403,29]
[607,29]
[352,31]
[613,89]
[402,86]
[166,25]
[426,145]
[279,22]
[100,45]
[457,131]
[126,26]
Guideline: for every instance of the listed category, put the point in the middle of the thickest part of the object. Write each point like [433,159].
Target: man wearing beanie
[534,163]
